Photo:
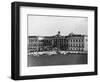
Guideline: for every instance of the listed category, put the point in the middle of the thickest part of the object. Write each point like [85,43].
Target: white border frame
[24,70]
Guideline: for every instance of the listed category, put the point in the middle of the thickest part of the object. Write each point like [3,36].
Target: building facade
[75,42]
[86,43]
[72,42]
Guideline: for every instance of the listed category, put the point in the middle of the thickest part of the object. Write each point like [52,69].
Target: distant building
[85,43]
[34,44]
[72,42]
[75,42]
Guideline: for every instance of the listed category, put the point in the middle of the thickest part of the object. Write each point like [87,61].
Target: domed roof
[70,34]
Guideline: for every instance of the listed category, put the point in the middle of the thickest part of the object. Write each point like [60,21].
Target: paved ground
[45,60]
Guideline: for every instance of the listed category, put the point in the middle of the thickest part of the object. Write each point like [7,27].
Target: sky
[39,25]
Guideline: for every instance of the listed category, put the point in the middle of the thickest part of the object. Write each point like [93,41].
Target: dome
[70,34]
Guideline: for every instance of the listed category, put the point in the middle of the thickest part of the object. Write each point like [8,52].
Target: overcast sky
[50,25]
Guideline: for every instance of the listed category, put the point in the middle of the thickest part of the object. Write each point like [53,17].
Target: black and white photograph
[53,40]
[57,40]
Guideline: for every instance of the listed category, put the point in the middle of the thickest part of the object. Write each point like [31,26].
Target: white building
[85,43]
